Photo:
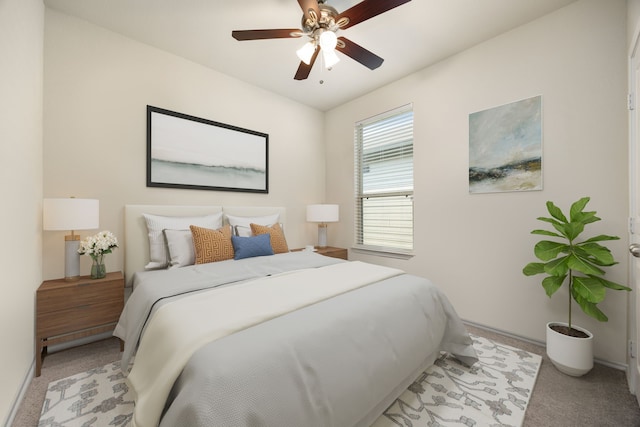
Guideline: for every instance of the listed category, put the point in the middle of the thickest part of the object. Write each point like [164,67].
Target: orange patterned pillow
[278,242]
[212,245]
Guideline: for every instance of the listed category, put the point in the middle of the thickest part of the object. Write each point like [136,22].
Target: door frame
[633,371]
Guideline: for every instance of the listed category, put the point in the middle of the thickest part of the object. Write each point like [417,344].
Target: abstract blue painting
[505,147]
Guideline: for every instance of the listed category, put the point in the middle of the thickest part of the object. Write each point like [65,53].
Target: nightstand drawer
[79,295]
[78,318]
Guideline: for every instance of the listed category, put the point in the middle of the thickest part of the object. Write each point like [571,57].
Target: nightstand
[329,251]
[68,310]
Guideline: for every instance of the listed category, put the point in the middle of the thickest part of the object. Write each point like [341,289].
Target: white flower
[100,244]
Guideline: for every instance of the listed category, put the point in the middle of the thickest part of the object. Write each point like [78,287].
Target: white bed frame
[136,239]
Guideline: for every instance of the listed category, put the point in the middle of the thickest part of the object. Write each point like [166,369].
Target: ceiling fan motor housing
[326,20]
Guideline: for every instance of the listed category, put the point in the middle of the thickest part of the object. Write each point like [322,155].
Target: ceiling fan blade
[367,9]
[266,34]
[304,69]
[309,5]
[360,54]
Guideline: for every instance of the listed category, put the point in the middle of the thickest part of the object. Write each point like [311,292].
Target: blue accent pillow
[247,247]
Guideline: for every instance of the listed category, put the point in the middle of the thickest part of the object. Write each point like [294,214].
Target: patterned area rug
[494,392]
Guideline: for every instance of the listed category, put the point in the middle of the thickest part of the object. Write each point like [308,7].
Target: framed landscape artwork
[194,153]
[505,147]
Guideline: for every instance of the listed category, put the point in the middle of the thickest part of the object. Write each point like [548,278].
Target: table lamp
[322,214]
[70,214]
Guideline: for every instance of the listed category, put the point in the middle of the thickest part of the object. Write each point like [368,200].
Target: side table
[68,310]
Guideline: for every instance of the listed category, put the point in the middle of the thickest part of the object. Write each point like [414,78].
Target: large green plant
[579,261]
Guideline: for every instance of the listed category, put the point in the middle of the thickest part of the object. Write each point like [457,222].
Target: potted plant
[579,263]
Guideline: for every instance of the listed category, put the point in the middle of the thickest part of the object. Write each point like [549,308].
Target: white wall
[97,86]
[475,246]
[21,44]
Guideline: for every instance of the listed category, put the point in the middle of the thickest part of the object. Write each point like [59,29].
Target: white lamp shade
[70,214]
[330,58]
[305,53]
[328,40]
[323,213]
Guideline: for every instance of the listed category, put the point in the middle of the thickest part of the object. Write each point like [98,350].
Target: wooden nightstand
[68,310]
[329,251]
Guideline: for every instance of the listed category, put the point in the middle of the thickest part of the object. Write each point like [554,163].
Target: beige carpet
[61,365]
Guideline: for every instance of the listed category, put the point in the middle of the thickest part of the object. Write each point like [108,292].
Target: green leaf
[573,230]
[590,308]
[562,228]
[601,238]
[596,253]
[583,266]
[577,208]
[556,212]
[533,268]
[557,267]
[552,283]
[549,220]
[547,250]
[612,285]
[586,217]
[546,233]
[589,288]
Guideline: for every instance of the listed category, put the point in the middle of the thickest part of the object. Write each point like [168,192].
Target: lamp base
[322,235]
[71,257]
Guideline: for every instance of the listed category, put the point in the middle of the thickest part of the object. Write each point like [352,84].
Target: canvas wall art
[505,147]
[190,152]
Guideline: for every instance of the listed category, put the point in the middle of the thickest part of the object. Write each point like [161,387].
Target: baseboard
[21,393]
[619,366]
[80,341]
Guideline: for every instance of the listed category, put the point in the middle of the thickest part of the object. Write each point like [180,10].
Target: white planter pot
[570,355]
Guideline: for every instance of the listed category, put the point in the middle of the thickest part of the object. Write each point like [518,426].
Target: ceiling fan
[321,22]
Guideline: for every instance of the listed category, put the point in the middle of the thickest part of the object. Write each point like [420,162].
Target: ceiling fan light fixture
[328,40]
[305,53]
[330,58]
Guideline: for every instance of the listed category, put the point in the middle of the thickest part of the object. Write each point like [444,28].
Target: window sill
[387,253]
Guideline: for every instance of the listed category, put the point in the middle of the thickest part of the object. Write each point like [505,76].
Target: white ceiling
[409,37]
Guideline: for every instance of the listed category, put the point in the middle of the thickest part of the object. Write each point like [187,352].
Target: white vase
[570,355]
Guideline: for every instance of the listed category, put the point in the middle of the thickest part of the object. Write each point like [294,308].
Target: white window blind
[384,182]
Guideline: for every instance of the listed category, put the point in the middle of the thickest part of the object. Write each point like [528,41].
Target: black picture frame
[190,152]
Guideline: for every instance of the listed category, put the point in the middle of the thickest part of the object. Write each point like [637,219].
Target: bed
[288,339]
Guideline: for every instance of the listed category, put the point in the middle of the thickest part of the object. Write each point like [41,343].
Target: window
[384,182]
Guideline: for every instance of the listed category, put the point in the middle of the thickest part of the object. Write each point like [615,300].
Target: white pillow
[241,225]
[180,246]
[157,223]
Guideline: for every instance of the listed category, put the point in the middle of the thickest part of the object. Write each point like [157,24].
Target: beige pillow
[278,241]
[212,245]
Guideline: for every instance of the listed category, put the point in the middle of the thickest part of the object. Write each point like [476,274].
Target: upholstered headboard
[136,240]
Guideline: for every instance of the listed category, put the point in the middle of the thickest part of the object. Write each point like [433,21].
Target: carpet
[494,392]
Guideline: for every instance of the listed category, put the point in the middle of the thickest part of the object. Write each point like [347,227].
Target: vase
[98,270]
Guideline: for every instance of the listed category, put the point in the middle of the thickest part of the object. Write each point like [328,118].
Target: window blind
[384,178]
